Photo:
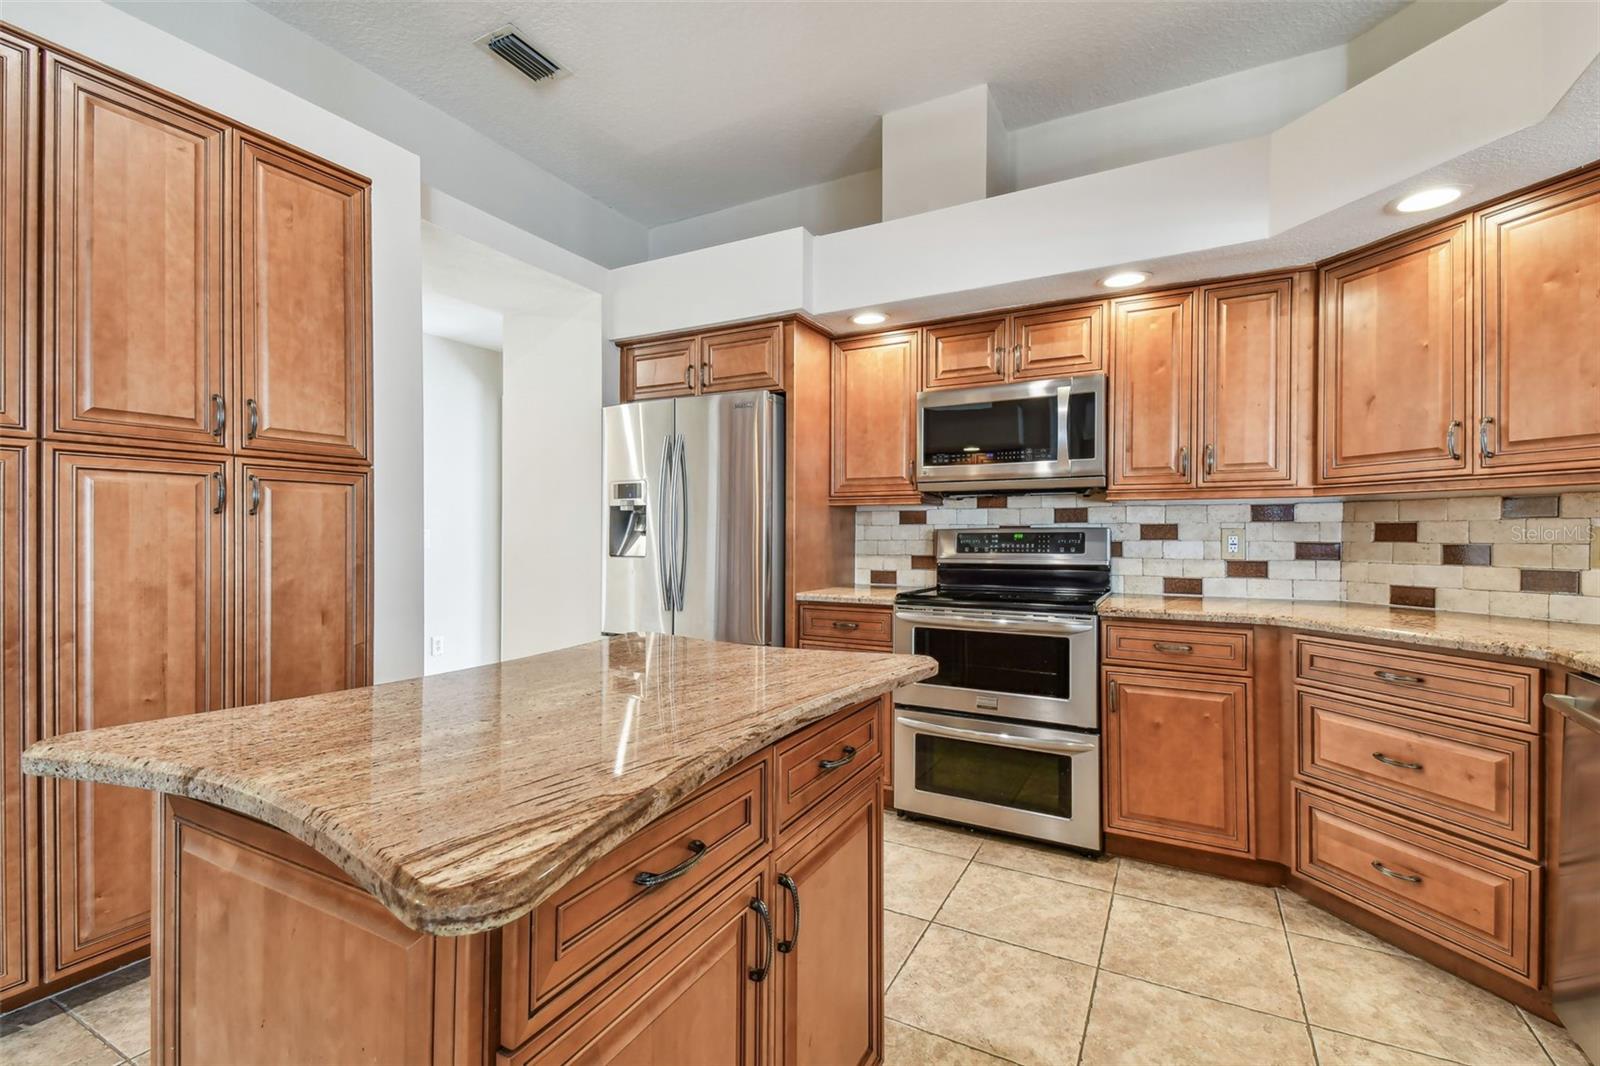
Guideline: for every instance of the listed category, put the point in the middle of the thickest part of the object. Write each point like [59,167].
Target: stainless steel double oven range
[1007,734]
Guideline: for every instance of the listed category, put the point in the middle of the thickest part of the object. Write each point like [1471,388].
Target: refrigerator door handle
[663,524]
[682,546]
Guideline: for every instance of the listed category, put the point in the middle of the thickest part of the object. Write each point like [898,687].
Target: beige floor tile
[1308,919]
[1237,962]
[1023,1005]
[43,1034]
[116,1006]
[1136,1023]
[931,836]
[905,1046]
[1406,1002]
[1199,892]
[140,1060]
[1558,1043]
[1035,912]
[1342,1049]
[916,881]
[1047,861]
[900,933]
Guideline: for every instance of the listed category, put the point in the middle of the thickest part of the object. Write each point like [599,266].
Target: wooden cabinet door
[304,575]
[19,831]
[750,358]
[1059,342]
[964,353]
[19,230]
[1178,759]
[134,586]
[1394,360]
[658,369]
[135,310]
[873,419]
[305,314]
[1539,300]
[829,915]
[1152,391]
[1249,382]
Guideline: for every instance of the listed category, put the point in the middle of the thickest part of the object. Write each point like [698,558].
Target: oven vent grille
[511,46]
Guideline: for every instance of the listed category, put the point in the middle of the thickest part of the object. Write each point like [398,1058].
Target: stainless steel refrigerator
[694,517]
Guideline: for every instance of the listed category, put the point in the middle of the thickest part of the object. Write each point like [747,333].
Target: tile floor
[996,951]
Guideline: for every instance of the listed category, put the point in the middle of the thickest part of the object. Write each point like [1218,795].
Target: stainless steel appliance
[1007,734]
[694,517]
[1021,437]
[1575,875]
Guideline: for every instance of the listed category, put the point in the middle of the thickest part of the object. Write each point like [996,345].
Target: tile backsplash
[1523,556]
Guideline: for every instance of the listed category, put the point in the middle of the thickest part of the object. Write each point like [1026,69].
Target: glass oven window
[1003,431]
[1018,664]
[1006,777]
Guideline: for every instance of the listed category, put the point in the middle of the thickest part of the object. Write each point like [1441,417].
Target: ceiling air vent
[511,46]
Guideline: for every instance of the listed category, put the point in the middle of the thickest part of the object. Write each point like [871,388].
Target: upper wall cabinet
[1152,391]
[961,354]
[19,231]
[304,309]
[1048,343]
[1538,286]
[135,316]
[745,357]
[873,442]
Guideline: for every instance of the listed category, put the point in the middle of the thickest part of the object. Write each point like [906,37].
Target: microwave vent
[511,46]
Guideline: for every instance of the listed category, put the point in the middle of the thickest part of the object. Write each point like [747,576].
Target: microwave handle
[1002,740]
[929,620]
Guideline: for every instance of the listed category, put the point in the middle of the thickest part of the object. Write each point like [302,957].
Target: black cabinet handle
[759,973]
[650,880]
[833,764]
[787,882]
[1399,764]
[255,494]
[1385,871]
[221,483]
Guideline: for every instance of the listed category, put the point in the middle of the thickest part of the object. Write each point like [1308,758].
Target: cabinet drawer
[868,628]
[816,763]
[1461,896]
[1496,693]
[1187,647]
[1458,779]
[607,908]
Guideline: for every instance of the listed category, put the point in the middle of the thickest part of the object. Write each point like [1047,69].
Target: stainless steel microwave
[1021,437]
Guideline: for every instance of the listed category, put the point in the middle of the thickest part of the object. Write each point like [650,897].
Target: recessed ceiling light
[870,318]
[1125,279]
[1428,199]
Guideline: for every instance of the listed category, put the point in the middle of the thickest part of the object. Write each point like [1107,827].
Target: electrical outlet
[437,646]
[1233,542]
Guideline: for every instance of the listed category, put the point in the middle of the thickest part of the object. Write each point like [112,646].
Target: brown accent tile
[1159,531]
[992,502]
[913,518]
[1242,568]
[1311,549]
[1551,581]
[1180,586]
[1116,549]
[883,577]
[1530,506]
[1394,532]
[1410,596]
[1272,512]
[1466,554]
[922,562]
[1072,514]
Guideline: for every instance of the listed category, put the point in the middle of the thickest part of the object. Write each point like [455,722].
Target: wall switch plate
[1233,542]
[437,646]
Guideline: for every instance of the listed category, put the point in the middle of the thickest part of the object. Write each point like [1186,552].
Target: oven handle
[1001,740]
[930,620]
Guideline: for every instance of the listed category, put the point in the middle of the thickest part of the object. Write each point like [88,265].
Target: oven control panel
[1020,542]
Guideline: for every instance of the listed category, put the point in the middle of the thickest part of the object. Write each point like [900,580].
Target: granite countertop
[861,595]
[1568,644]
[463,800]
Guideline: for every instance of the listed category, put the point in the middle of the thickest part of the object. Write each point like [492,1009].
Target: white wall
[936,153]
[745,279]
[126,43]
[461,503]
[829,206]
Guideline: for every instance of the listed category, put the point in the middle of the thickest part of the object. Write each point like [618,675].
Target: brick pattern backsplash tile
[1522,556]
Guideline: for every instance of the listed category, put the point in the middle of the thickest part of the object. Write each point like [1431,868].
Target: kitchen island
[599,853]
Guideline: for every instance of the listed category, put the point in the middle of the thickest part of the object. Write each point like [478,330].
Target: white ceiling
[676,109]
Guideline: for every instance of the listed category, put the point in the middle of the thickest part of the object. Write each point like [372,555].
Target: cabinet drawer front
[1459,779]
[1187,647]
[606,907]
[1459,688]
[1462,897]
[817,762]
[869,628]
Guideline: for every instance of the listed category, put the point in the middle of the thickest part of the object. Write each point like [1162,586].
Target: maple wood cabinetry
[19,829]
[19,232]
[873,440]
[745,357]
[1045,343]
[1152,391]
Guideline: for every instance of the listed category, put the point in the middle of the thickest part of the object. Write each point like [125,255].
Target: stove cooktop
[1034,600]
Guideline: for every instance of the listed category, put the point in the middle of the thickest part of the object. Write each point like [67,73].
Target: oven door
[1029,435]
[1031,668]
[1029,780]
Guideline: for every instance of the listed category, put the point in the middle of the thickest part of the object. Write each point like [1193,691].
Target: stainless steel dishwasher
[1575,935]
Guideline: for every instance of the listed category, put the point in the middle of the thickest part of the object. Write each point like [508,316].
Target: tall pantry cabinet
[184,461]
